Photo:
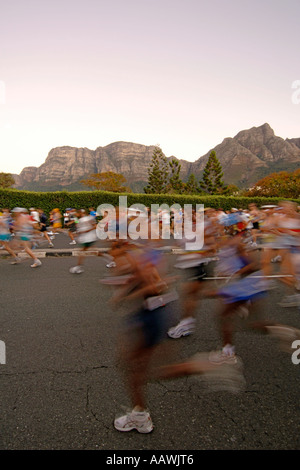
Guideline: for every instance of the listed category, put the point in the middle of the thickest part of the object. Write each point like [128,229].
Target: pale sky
[183,74]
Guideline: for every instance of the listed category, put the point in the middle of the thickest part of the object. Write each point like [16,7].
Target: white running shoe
[184,328]
[277,259]
[16,260]
[218,377]
[36,264]
[72,242]
[112,264]
[139,420]
[221,357]
[76,270]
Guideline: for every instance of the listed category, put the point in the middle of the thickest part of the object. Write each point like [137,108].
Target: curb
[55,253]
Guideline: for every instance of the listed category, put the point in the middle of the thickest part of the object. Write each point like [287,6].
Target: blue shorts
[25,238]
[151,325]
[5,237]
[247,288]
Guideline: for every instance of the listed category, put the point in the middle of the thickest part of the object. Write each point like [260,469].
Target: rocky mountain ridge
[245,158]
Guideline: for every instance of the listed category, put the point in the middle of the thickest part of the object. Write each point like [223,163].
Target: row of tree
[164,177]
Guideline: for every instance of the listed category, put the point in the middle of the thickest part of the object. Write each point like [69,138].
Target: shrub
[47,201]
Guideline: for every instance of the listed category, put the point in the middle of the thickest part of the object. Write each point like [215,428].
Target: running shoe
[72,242]
[36,264]
[221,357]
[112,264]
[16,260]
[228,377]
[290,301]
[76,270]
[184,328]
[139,420]
[218,377]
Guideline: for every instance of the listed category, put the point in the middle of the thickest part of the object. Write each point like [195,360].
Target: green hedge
[10,198]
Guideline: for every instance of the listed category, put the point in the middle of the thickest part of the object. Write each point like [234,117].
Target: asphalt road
[61,386]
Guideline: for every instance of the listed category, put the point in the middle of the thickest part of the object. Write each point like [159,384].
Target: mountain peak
[267,129]
[266,126]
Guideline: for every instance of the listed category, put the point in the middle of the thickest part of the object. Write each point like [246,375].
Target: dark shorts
[255,225]
[151,325]
[87,244]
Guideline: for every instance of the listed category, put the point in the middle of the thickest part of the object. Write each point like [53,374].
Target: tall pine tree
[191,186]
[157,173]
[175,183]
[212,176]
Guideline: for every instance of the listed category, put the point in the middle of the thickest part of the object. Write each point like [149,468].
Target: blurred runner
[56,221]
[86,236]
[197,266]
[6,236]
[71,224]
[43,227]
[24,230]
[145,330]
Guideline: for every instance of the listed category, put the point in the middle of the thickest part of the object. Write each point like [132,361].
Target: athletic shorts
[86,244]
[151,325]
[25,238]
[246,288]
[5,237]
